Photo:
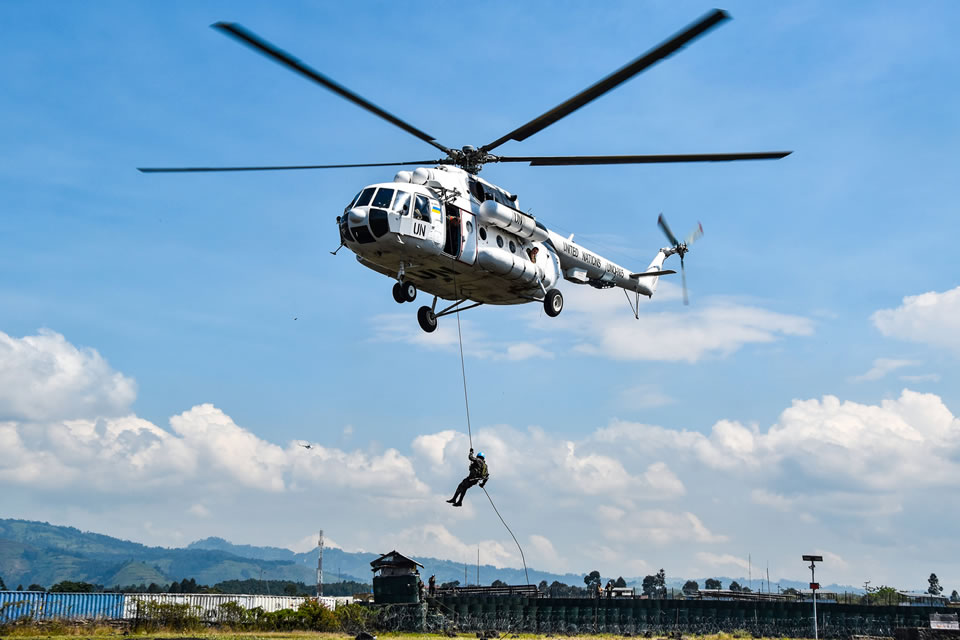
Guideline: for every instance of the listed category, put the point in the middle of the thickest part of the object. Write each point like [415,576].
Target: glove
[471,449]
[482,484]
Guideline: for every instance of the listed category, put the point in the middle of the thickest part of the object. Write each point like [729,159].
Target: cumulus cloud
[44,377]
[930,318]
[600,327]
[912,441]
[655,525]
[722,560]
[881,367]
[436,541]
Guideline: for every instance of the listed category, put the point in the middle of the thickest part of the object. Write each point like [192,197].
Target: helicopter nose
[357,216]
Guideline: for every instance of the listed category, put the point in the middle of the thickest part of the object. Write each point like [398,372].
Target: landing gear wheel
[398,293]
[409,291]
[427,319]
[553,303]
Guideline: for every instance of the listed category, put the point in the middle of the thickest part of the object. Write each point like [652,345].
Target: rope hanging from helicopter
[466,402]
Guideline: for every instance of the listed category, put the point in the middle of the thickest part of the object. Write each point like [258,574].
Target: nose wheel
[404,292]
[427,319]
[553,303]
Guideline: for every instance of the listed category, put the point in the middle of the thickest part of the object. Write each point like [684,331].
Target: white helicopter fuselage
[459,237]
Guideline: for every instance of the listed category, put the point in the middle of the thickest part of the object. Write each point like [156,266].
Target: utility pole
[320,564]
[478,565]
[813,589]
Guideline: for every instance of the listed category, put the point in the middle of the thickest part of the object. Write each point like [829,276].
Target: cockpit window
[365,196]
[402,203]
[350,206]
[476,189]
[421,210]
[383,198]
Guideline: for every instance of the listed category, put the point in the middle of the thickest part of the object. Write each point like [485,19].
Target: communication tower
[320,564]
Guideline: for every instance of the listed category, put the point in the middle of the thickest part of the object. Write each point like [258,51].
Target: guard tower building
[395,579]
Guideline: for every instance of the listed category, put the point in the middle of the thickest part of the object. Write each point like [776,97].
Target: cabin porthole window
[483,233]
[469,227]
[500,241]
[513,247]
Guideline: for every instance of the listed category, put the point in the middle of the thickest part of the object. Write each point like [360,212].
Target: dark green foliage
[592,580]
[36,587]
[286,587]
[691,586]
[498,583]
[560,590]
[934,589]
[712,583]
[649,586]
[3,586]
[620,583]
[152,616]
[954,596]
[75,587]
[735,586]
[456,583]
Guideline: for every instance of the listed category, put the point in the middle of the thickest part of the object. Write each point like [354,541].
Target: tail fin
[647,280]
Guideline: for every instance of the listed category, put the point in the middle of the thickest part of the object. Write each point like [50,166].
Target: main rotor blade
[616,78]
[667,232]
[286,167]
[554,161]
[284,58]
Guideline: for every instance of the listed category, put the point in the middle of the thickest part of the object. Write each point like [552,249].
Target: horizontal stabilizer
[652,273]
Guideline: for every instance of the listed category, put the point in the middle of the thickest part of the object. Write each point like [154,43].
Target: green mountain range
[44,554]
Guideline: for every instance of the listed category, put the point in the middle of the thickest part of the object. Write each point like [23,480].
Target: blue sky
[691,437]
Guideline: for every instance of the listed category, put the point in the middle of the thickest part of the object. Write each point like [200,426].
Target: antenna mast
[320,564]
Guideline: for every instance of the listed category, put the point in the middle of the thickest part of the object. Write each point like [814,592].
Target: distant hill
[41,553]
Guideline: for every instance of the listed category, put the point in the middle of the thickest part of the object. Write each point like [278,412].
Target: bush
[354,618]
[160,615]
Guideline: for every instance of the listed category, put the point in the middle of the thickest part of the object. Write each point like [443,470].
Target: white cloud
[881,367]
[654,525]
[722,560]
[603,329]
[436,541]
[908,442]
[199,510]
[930,318]
[432,446]
[924,377]
[44,377]
[644,396]
[398,328]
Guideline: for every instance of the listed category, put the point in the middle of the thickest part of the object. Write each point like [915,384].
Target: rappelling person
[478,473]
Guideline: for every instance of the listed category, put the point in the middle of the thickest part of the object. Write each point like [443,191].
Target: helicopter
[442,229]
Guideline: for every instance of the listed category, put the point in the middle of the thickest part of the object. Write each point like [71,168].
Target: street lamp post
[813,589]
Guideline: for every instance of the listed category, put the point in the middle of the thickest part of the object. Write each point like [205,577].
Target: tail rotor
[680,248]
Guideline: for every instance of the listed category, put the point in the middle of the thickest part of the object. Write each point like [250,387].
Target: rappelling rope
[463,371]
[524,560]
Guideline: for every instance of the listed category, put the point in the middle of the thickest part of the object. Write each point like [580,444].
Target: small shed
[396,579]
